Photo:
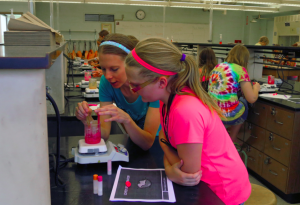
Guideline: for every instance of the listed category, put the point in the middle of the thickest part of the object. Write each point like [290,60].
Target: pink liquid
[87,78]
[92,133]
[92,138]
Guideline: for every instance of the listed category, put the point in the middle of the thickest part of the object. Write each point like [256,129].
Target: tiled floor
[280,201]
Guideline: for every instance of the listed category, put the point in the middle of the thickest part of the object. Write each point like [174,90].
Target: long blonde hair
[164,55]
[239,55]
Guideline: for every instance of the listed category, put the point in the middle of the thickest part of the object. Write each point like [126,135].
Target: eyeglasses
[134,89]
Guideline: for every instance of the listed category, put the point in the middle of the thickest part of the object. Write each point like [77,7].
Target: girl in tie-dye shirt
[226,80]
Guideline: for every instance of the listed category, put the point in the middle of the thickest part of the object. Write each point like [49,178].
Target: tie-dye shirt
[224,84]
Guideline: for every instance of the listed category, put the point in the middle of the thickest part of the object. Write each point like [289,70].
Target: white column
[210,20]
[24,160]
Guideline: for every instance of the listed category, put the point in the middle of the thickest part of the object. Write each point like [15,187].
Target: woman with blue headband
[140,119]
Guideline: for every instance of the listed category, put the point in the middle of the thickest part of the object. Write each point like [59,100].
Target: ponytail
[164,55]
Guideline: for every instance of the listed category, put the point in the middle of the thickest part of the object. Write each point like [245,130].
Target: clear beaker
[93,83]
[87,75]
[92,132]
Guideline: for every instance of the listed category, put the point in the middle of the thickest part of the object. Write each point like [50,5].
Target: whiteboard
[187,33]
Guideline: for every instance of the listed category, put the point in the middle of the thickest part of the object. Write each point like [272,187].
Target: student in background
[157,70]
[102,35]
[207,62]
[263,41]
[225,81]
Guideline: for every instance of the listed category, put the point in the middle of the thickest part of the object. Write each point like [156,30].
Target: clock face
[140,14]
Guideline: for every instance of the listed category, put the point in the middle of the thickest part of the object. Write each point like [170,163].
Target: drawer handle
[253,136]
[251,158]
[278,149]
[256,113]
[274,173]
[281,123]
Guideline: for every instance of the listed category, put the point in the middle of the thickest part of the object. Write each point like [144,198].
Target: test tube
[109,167]
[95,183]
[100,186]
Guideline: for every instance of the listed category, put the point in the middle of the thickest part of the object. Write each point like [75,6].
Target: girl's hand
[176,175]
[97,73]
[257,86]
[116,114]
[82,111]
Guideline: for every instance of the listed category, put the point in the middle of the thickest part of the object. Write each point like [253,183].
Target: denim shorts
[242,118]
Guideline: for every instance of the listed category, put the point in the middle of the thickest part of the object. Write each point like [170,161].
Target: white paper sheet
[147,185]
[278,96]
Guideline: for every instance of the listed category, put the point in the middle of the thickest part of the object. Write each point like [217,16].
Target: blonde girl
[226,80]
[193,135]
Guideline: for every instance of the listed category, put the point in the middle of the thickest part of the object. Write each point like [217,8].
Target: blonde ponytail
[164,55]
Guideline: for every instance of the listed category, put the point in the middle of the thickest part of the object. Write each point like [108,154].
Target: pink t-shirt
[222,168]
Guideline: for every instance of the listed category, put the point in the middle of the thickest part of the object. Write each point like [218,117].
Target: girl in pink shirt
[193,137]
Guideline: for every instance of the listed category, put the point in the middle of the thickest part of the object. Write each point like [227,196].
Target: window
[4,19]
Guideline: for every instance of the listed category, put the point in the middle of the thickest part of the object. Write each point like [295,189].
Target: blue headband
[112,43]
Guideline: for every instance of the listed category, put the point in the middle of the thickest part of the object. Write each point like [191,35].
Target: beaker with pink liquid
[87,75]
[92,132]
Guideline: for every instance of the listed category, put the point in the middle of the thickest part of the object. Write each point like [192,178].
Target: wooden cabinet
[254,136]
[258,114]
[278,148]
[272,142]
[275,173]
[280,121]
[255,159]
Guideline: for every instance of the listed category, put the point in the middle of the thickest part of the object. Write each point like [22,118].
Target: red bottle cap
[77,86]
[99,178]
[128,184]
[95,176]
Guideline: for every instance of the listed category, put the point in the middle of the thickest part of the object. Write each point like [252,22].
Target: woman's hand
[82,111]
[179,177]
[116,114]
[97,73]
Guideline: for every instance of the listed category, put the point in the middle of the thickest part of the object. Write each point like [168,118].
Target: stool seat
[261,195]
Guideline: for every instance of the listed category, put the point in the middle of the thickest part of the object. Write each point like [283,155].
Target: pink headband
[150,67]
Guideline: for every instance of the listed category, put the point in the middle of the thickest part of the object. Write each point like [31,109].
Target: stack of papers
[30,30]
[29,38]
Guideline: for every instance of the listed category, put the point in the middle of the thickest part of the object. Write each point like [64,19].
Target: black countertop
[282,103]
[28,57]
[79,178]
[232,45]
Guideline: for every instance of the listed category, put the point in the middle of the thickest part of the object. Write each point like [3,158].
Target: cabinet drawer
[255,159]
[255,136]
[275,173]
[278,148]
[258,114]
[280,122]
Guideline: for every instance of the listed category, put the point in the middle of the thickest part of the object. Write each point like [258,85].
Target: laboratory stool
[261,195]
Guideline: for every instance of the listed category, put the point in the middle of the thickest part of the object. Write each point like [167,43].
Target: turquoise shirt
[136,110]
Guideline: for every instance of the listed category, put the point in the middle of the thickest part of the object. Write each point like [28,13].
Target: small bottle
[172,39]
[220,39]
[100,186]
[95,182]
[12,16]
[109,167]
